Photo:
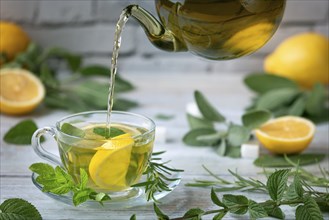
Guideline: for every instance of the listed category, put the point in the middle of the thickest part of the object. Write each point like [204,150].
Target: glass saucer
[136,196]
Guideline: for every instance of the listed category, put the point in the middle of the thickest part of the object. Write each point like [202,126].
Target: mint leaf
[108,132]
[81,196]
[315,103]
[277,184]
[236,203]
[21,133]
[295,190]
[256,210]
[274,211]
[159,213]
[276,98]
[194,214]
[42,169]
[191,138]
[215,199]
[262,83]
[133,217]
[72,130]
[220,215]
[16,208]
[253,119]
[83,178]
[309,211]
[237,135]
[123,104]
[207,110]
[280,161]
[196,122]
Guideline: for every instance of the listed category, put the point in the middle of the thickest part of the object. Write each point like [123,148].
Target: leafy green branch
[308,201]
[76,92]
[212,129]
[283,96]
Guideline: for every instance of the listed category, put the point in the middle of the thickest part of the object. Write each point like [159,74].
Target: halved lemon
[109,166]
[21,91]
[286,135]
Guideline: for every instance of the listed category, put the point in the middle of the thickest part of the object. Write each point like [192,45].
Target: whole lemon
[302,58]
[13,39]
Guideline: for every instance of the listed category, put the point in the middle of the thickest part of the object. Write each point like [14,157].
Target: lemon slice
[286,135]
[21,91]
[109,166]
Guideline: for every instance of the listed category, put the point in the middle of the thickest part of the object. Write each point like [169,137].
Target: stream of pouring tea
[114,61]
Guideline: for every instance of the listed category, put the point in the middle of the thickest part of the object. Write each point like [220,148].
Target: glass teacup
[114,158]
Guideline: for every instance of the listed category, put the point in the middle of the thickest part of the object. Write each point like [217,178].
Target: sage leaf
[196,122]
[47,77]
[220,215]
[210,139]
[21,133]
[164,116]
[108,132]
[194,214]
[316,100]
[280,161]
[71,130]
[262,83]
[237,135]
[16,208]
[221,150]
[309,211]
[237,204]
[122,85]
[207,110]
[123,104]
[159,213]
[277,184]
[215,199]
[234,152]
[253,119]
[298,107]
[256,210]
[276,98]
[191,138]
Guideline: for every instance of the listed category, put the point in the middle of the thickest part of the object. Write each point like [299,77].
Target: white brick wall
[87,27]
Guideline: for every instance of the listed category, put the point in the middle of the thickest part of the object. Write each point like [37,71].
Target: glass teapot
[213,29]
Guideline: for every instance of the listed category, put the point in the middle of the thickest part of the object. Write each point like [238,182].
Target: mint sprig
[21,133]
[282,193]
[230,136]
[58,181]
[16,208]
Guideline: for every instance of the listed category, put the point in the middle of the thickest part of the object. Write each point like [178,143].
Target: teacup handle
[40,150]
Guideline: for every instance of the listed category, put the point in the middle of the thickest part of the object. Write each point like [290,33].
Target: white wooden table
[157,94]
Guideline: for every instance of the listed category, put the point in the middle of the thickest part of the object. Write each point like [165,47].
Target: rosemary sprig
[157,177]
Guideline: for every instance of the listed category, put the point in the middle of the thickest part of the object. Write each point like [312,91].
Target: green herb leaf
[83,178]
[16,208]
[256,210]
[274,211]
[108,132]
[215,199]
[21,133]
[253,119]
[237,204]
[164,116]
[298,106]
[315,102]
[191,138]
[309,210]
[69,129]
[196,122]
[277,184]
[194,214]
[42,169]
[121,104]
[280,161]
[122,85]
[93,70]
[47,77]
[237,135]
[133,217]
[234,152]
[221,150]
[81,196]
[207,110]
[295,190]
[262,83]
[159,213]
[276,98]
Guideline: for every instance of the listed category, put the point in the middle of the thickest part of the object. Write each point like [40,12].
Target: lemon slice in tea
[109,166]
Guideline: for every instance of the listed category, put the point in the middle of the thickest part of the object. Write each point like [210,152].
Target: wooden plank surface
[157,94]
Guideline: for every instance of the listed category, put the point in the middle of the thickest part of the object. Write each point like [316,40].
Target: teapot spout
[158,35]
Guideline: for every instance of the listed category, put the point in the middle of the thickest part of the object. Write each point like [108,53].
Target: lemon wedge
[109,166]
[286,135]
